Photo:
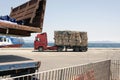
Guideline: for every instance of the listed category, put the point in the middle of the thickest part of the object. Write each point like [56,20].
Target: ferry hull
[11,46]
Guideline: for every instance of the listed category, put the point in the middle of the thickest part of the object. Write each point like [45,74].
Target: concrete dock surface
[53,60]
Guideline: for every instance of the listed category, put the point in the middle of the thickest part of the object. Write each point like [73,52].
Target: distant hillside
[104,41]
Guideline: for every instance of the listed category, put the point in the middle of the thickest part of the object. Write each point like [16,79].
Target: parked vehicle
[11,66]
[77,41]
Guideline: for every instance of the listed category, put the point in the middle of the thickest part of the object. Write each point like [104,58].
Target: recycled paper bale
[71,38]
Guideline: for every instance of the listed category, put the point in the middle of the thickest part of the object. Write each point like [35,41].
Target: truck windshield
[37,39]
[1,39]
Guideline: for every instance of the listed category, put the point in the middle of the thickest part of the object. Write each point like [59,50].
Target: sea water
[90,45]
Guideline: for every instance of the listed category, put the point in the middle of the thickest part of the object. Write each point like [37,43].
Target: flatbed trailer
[11,66]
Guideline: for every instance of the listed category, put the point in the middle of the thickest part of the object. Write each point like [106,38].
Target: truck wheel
[76,49]
[59,49]
[40,49]
[84,49]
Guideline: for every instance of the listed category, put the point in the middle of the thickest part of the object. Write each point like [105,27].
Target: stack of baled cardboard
[70,38]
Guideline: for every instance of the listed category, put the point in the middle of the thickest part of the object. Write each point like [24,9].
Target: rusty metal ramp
[31,13]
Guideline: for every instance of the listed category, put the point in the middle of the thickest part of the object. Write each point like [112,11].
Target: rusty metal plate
[31,13]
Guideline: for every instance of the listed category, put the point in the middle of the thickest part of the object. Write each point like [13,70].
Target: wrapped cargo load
[70,38]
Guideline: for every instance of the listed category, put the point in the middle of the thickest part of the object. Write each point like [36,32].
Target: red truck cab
[41,43]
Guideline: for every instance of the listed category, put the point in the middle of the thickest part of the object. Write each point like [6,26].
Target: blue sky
[100,18]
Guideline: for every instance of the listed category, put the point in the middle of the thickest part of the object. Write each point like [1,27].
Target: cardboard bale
[84,38]
[70,38]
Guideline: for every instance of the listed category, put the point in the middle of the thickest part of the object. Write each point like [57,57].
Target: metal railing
[92,71]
